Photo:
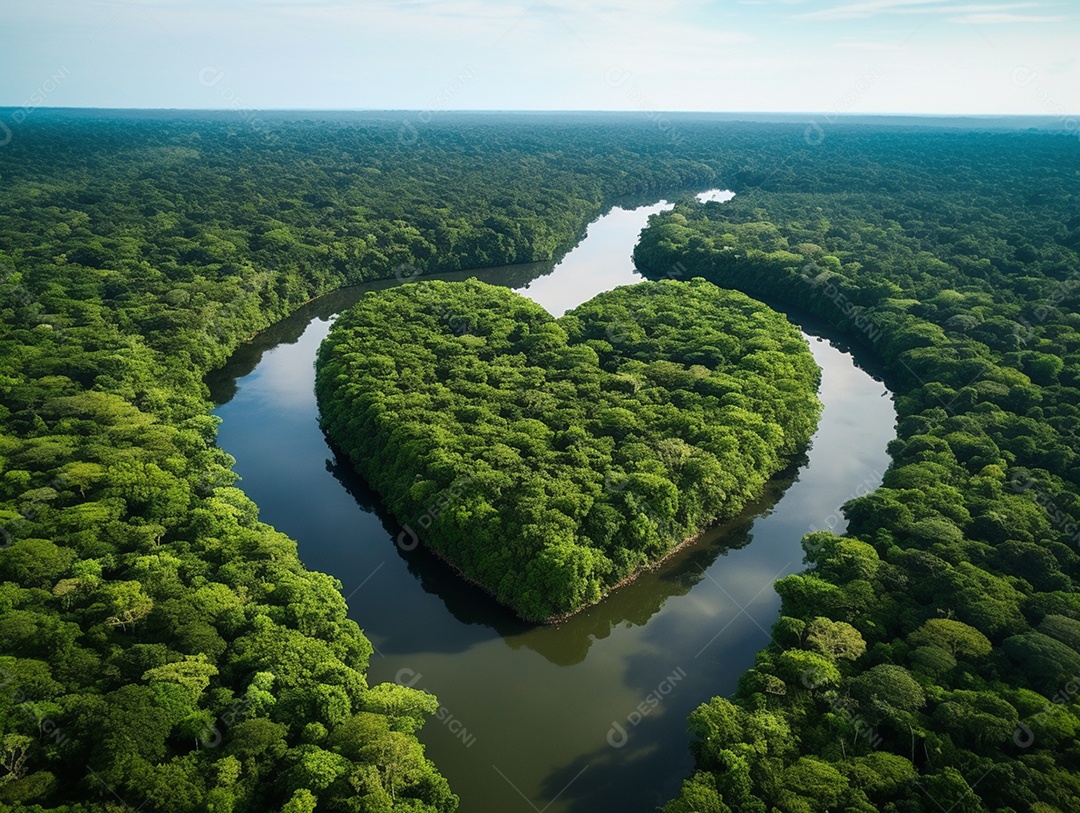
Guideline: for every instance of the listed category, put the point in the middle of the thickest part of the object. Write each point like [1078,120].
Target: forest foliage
[929,659]
[551,459]
[160,647]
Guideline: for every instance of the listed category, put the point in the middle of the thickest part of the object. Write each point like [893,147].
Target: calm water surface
[589,715]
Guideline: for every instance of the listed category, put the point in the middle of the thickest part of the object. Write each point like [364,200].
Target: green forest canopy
[137,251]
[550,459]
[159,646]
[930,658]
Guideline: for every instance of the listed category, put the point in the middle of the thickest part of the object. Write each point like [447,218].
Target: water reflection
[568,642]
[539,702]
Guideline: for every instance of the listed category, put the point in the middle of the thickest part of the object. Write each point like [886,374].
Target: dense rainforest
[549,460]
[161,649]
[929,659]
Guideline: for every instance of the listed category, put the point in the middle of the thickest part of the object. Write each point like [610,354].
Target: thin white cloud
[872,8]
[1003,19]
[867,46]
[978,8]
[639,55]
[857,11]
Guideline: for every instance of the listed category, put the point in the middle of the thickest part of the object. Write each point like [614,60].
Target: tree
[14,752]
[817,784]
[838,558]
[35,562]
[408,708]
[1047,663]
[980,718]
[949,788]
[881,774]
[888,688]
[698,795]
[890,695]
[253,738]
[126,604]
[313,769]
[955,637]
[193,673]
[835,639]
[302,801]
[809,670]
[1063,628]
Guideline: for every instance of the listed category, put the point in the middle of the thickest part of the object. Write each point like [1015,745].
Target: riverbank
[702,609]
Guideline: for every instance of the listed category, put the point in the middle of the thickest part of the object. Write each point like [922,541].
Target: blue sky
[821,56]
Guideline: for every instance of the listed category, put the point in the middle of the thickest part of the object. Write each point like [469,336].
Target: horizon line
[442,111]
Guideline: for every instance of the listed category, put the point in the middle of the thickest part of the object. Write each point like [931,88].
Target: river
[589,715]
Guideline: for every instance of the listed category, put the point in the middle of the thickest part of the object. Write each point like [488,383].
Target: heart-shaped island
[550,460]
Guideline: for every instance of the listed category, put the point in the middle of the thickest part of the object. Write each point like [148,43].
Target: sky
[982,57]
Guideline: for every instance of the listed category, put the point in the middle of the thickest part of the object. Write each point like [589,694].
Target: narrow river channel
[589,715]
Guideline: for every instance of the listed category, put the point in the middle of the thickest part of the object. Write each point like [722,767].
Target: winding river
[591,714]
